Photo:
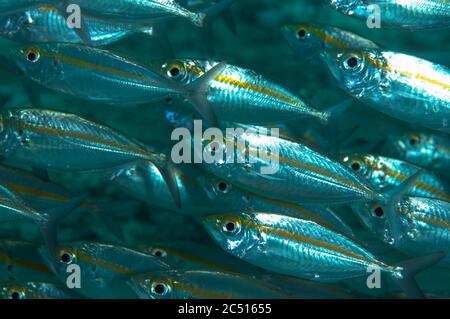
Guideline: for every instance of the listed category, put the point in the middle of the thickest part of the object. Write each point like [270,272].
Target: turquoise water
[258,45]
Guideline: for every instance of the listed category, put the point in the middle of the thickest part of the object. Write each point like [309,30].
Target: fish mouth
[329,57]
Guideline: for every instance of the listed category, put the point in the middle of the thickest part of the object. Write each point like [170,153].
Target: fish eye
[355,166]
[222,187]
[301,34]
[352,62]
[66,257]
[230,226]
[17,295]
[157,252]
[378,212]
[413,141]
[175,71]
[33,55]
[160,288]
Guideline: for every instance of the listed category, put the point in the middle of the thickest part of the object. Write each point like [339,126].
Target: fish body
[426,150]
[45,24]
[291,246]
[424,224]
[34,290]
[73,69]
[50,139]
[38,193]
[415,14]
[191,255]
[203,194]
[197,284]
[137,11]
[21,262]
[104,268]
[308,40]
[383,173]
[284,170]
[13,6]
[400,85]
[241,95]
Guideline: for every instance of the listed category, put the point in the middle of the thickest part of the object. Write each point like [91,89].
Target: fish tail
[390,200]
[198,19]
[48,225]
[405,272]
[221,9]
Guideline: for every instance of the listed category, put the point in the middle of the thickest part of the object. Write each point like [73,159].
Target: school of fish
[291,207]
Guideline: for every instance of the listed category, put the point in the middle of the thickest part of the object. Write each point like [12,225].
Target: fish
[270,166]
[201,284]
[104,268]
[308,40]
[13,6]
[383,173]
[14,208]
[413,14]
[34,290]
[237,92]
[203,194]
[199,256]
[45,25]
[304,249]
[41,194]
[402,86]
[72,68]
[423,225]
[21,262]
[48,139]
[426,150]
[137,11]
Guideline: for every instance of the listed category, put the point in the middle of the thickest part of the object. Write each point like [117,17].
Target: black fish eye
[159,288]
[230,226]
[352,62]
[33,55]
[413,141]
[356,166]
[379,212]
[16,295]
[301,33]
[66,258]
[159,253]
[174,72]
[222,186]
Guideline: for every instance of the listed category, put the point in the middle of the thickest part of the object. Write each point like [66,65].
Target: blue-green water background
[259,45]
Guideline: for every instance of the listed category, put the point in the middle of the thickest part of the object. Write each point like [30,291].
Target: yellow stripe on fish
[248,86]
[93,66]
[59,132]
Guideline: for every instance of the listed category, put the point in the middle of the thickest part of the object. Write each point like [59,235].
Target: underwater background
[258,45]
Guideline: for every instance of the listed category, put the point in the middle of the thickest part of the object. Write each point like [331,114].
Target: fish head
[12,25]
[66,256]
[303,38]
[348,7]
[14,291]
[156,285]
[366,166]
[28,59]
[357,71]
[373,217]
[417,148]
[232,233]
